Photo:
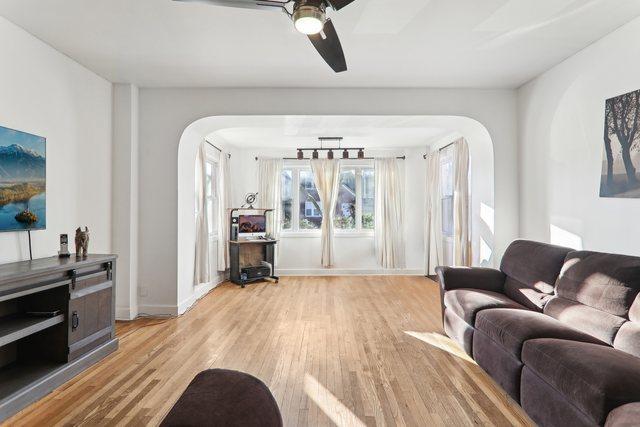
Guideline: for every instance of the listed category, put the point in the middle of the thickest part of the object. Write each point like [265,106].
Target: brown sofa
[558,329]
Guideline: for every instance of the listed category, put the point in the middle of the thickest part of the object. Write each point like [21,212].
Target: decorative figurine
[82,242]
[249,200]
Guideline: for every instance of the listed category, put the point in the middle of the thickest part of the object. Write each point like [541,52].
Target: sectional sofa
[558,329]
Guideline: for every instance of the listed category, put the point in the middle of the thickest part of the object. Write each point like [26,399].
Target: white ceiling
[375,132]
[423,43]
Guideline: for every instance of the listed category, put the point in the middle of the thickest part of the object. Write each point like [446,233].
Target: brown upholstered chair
[220,397]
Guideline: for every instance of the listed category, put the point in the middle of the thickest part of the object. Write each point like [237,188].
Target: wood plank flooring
[346,351]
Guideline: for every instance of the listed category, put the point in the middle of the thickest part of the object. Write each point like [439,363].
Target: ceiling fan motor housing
[309,10]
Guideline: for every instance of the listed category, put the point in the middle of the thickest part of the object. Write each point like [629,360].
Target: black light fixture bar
[330,149]
[352,158]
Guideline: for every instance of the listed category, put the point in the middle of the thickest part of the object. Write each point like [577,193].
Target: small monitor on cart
[252,226]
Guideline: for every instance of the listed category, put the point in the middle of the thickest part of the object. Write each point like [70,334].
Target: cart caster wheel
[277,281]
[242,286]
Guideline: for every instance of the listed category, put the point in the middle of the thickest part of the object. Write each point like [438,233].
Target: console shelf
[17,377]
[38,354]
[14,328]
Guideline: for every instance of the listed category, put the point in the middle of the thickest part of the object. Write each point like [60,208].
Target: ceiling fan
[309,17]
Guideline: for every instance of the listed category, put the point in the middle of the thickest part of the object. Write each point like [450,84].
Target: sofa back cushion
[598,293]
[628,337]
[532,269]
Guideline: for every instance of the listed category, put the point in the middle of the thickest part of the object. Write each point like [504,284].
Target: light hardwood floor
[333,350]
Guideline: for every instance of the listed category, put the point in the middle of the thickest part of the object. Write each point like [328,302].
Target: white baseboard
[157,310]
[199,292]
[349,272]
[126,313]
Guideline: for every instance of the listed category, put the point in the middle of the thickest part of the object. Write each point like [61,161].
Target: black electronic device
[52,313]
[64,246]
[255,272]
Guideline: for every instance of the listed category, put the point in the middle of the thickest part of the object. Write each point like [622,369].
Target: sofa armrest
[486,279]
[624,416]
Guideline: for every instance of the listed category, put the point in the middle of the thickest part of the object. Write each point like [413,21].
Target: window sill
[340,233]
[316,234]
[299,234]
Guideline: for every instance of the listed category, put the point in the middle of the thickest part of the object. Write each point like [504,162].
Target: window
[354,209]
[345,211]
[309,202]
[287,199]
[368,199]
[211,196]
[447,171]
[446,178]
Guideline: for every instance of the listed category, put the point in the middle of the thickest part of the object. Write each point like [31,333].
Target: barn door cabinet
[57,318]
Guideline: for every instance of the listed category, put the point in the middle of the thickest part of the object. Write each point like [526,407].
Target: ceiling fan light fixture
[309,19]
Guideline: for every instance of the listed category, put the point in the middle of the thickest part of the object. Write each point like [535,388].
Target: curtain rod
[219,149]
[351,158]
[424,156]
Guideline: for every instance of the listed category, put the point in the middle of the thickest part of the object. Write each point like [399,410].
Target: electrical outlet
[143,291]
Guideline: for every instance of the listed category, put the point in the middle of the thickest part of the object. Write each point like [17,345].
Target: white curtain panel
[270,193]
[326,174]
[224,203]
[433,215]
[389,208]
[202,262]
[461,202]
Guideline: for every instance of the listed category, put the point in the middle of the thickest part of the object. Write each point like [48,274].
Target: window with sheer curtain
[354,209]
[447,171]
[211,196]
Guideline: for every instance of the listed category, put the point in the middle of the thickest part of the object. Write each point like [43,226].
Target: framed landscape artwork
[22,181]
[621,156]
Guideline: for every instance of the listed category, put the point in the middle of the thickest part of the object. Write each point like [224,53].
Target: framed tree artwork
[621,147]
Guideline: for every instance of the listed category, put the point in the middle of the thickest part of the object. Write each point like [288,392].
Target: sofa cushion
[634,311]
[625,416]
[532,269]
[595,378]
[628,338]
[501,365]
[547,407]
[511,328]
[600,324]
[607,282]
[466,303]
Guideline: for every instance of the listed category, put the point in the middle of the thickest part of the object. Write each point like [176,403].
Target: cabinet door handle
[75,321]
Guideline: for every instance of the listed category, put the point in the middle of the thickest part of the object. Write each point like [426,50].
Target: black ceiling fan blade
[339,4]
[328,46]
[243,4]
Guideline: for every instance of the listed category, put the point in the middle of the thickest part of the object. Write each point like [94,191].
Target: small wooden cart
[245,253]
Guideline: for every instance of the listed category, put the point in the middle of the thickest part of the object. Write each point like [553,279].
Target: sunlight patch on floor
[329,404]
[442,342]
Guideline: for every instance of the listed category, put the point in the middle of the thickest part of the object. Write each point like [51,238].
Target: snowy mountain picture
[22,181]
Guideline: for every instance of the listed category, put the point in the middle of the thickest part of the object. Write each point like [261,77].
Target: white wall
[561,125]
[125,198]
[166,113]
[48,94]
